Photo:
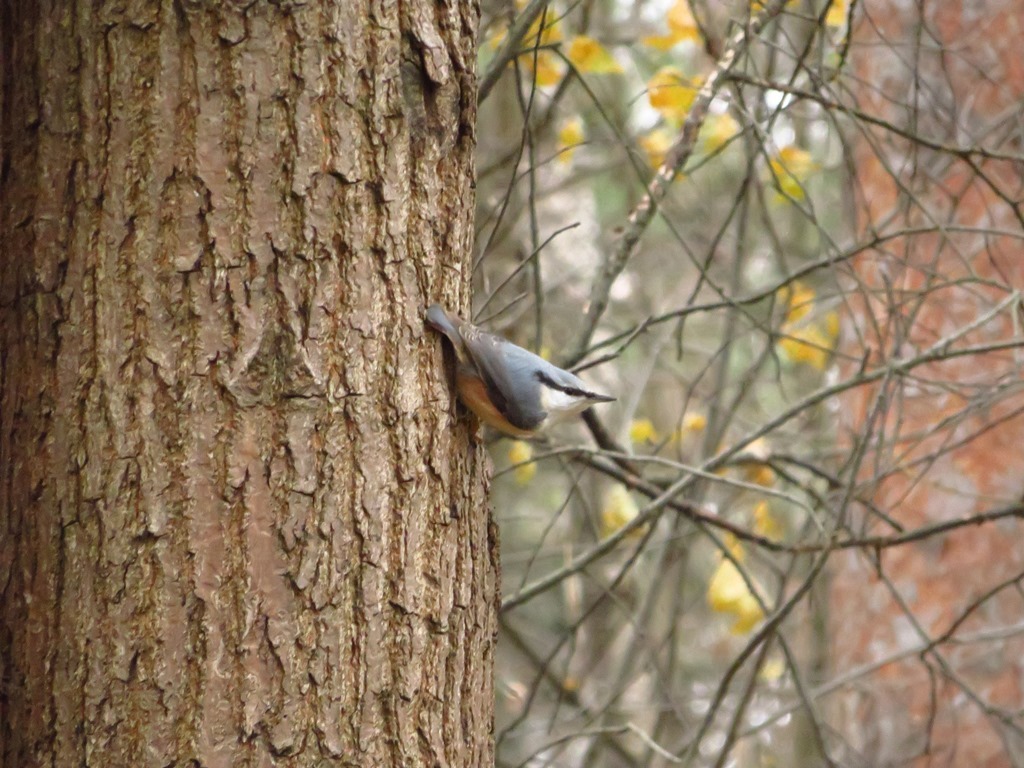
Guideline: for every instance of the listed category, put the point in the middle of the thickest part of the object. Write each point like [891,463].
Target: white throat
[559,405]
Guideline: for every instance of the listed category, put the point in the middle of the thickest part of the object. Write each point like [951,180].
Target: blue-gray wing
[505,370]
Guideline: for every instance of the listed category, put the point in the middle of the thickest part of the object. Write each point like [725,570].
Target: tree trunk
[240,523]
[943,442]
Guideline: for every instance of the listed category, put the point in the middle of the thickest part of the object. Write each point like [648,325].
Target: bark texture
[240,523]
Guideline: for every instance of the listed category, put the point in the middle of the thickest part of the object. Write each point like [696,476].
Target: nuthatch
[506,386]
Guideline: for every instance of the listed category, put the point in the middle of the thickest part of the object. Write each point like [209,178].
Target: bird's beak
[596,398]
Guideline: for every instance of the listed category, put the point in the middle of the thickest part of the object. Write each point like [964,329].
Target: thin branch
[510,47]
[675,159]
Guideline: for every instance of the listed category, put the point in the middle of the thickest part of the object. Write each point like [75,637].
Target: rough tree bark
[240,523]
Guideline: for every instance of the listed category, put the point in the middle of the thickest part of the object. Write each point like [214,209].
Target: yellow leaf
[549,34]
[588,55]
[660,42]
[791,168]
[655,144]
[748,615]
[765,523]
[799,298]
[718,130]
[521,453]
[619,509]
[570,136]
[681,22]
[836,16]
[549,68]
[757,450]
[760,474]
[728,593]
[671,93]
[756,6]
[772,670]
[754,459]
[806,344]
[797,161]
[832,326]
[494,39]
[643,431]
[682,28]
[694,422]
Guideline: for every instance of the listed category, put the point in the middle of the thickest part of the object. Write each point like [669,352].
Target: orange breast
[474,395]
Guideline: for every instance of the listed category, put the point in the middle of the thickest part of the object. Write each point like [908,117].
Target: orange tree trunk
[947,442]
[238,524]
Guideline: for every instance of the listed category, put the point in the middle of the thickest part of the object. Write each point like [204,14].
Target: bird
[509,388]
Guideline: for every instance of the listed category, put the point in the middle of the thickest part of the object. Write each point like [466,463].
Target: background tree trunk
[240,525]
[946,443]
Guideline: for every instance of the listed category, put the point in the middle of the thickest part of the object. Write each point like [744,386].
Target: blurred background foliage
[681,572]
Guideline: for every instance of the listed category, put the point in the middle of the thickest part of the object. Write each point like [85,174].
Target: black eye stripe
[573,391]
[545,379]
